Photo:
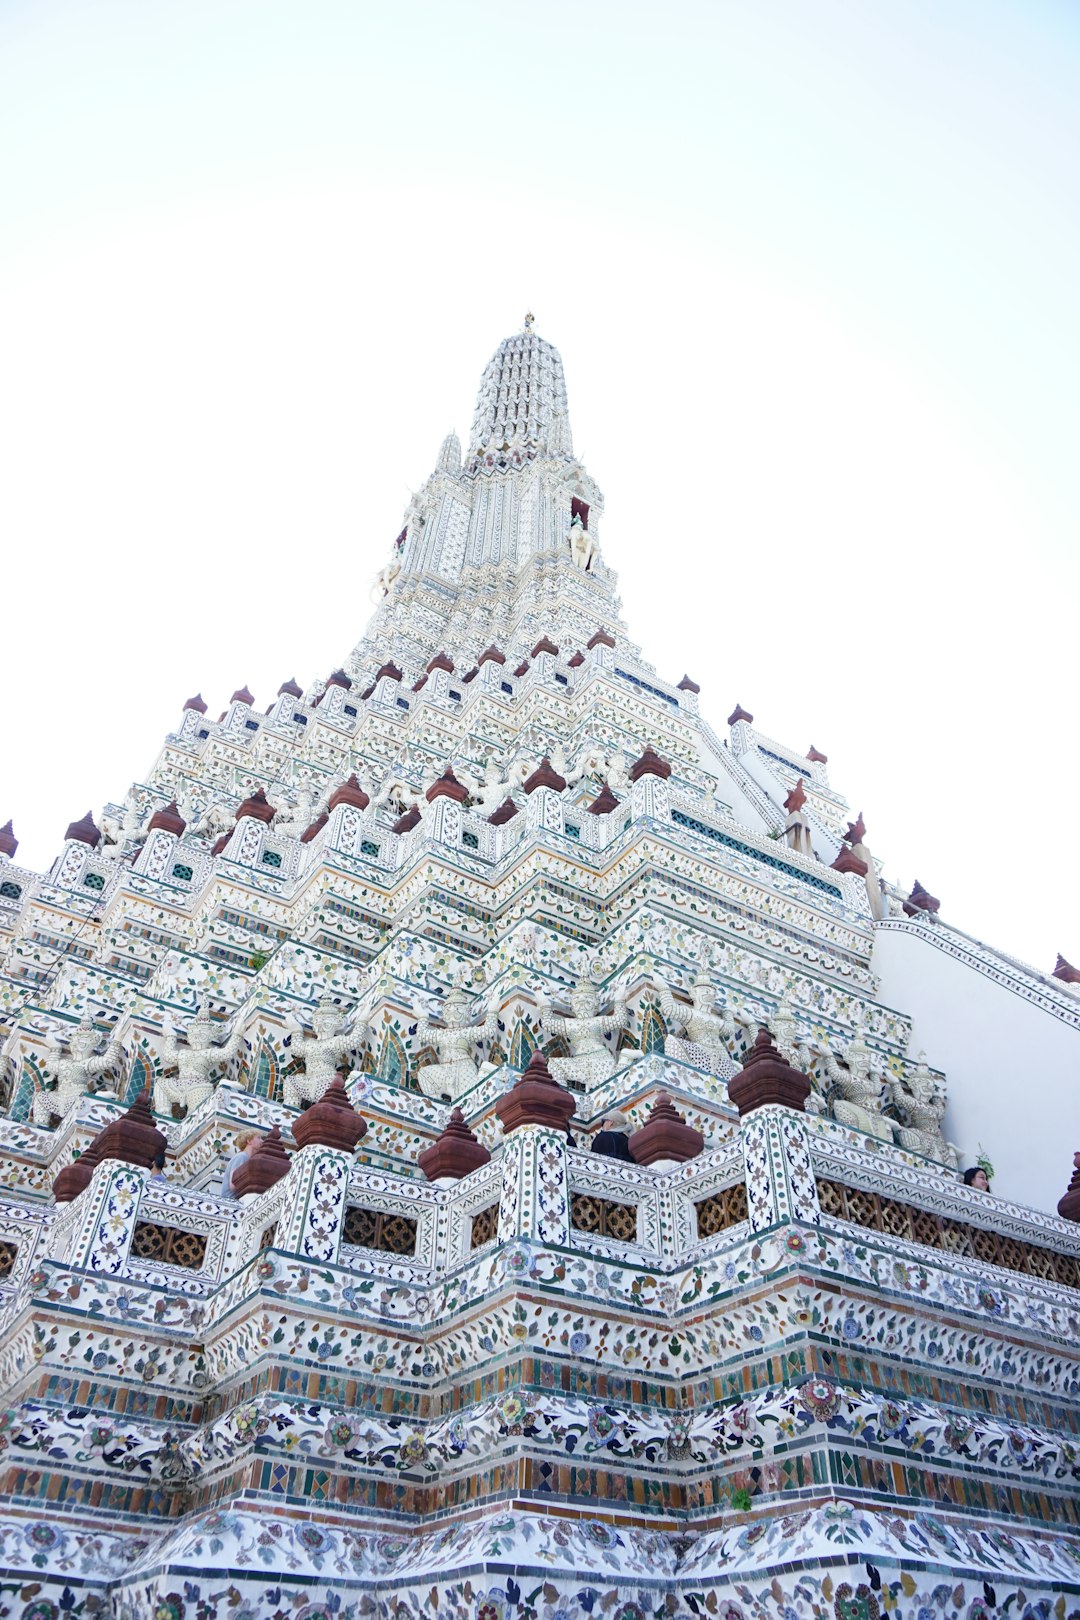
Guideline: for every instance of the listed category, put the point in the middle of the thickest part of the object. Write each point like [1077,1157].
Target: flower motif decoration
[820,1398]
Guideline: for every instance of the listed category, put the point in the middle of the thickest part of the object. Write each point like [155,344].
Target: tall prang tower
[602,1249]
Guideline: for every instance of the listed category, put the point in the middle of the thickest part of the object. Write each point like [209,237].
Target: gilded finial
[529,320]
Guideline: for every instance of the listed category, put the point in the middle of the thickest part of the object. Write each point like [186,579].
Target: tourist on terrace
[246,1143]
[977,1177]
[157,1169]
[613,1137]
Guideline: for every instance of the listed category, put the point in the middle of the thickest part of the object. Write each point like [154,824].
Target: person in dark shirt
[976,1177]
[613,1137]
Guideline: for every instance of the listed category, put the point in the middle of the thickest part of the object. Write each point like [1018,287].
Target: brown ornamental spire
[921,899]
[545,645]
[339,678]
[545,775]
[815,757]
[739,713]
[522,669]
[600,639]
[418,685]
[441,660]
[604,802]
[575,662]
[84,831]
[506,812]
[408,821]
[242,696]
[289,688]
[795,799]
[1069,1206]
[391,670]
[649,764]
[132,1138]
[447,787]
[196,703]
[9,843]
[314,829]
[454,1153]
[74,1178]
[536,1099]
[264,1166]
[848,861]
[665,1135]
[331,1122]
[766,1078]
[167,819]
[1062,970]
[257,807]
[687,685]
[492,655]
[349,792]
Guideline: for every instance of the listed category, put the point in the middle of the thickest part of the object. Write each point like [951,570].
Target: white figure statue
[784,1030]
[384,579]
[297,818]
[919,1099]
[582,545]
[73,1076]
[857,1086]
[493,790]
[591,1060]
[197,1061]
[698,1034]
[117,833]
[455,1039]
[333,1038]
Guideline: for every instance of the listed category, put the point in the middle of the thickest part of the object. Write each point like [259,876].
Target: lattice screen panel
[169,1245]
[376,1229]
[939,1232]
[602,1218]
[485,1224]
[723,1209]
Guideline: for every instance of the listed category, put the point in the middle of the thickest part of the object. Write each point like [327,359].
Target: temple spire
[522,400]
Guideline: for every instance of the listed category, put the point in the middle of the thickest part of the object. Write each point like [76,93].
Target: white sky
[813,270]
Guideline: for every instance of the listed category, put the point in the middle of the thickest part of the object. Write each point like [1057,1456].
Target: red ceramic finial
[815,757]
[331,1122]
[856,831]
[604,802]
[687,685]
[441,660]
[408,821]
[74,1178]
[506,812]
[339,678]
[491,655]
[390,670]
[314,829]
[545,775]
[9,843]
[456,1152]
[577,661]
[242,696]
[545,645]
[196,703]
[921,899]
[84,831]
[1062,970]
[848,861]
[536,1099]
[289,688]
[665,1135]
[167,819]
[133,1137]
[739,713]
[257,807]
[447,787]
[349,792]
[1069,1207]
[600,639]
[650,764]
[766,1078]
[264,1166]
[795,799]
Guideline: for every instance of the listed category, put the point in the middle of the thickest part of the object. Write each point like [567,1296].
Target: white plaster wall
[1012,1068]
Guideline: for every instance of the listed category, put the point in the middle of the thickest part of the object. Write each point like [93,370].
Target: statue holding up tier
[857,1088]
[582,545]
[384,579]
[333,1039]
[591,1060]
[701,1033]
[198,1061]
[70,1078]
[455,1039]
[919,1099]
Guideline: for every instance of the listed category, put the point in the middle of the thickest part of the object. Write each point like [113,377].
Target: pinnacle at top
[522,399]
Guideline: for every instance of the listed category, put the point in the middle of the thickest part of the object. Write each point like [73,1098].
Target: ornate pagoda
[603,1249]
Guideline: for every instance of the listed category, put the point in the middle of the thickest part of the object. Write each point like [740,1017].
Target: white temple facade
[605,1248]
